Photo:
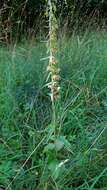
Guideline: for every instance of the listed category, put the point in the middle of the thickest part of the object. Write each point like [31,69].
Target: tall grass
[78,157]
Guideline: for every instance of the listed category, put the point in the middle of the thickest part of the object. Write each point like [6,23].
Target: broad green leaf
[49,147]
[59,144]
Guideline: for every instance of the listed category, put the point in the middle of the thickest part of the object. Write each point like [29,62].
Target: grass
[77,160]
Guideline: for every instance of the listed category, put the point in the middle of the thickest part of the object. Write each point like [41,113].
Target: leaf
[55,170]
[49,147]
[59,144]
[52,165]
[66,143]
[50,130]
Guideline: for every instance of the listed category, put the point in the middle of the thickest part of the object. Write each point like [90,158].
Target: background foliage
[28,16]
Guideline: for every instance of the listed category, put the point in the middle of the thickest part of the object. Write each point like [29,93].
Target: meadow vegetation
[33,156]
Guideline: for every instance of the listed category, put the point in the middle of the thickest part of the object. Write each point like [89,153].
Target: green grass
[77,160]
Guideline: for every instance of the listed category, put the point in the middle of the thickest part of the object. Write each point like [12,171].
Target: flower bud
[54,62]
[56,77]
